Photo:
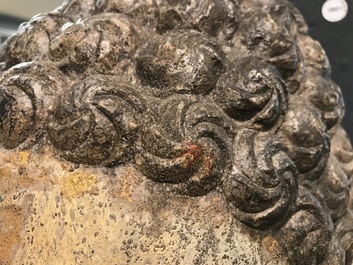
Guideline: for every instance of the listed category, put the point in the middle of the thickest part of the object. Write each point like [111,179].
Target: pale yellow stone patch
[22,157]
[77,184]
[126,190]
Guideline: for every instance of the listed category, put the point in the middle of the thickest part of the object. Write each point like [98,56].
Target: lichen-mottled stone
[55,212]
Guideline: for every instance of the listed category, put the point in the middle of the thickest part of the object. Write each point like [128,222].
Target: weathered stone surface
[172,132]
[54,212]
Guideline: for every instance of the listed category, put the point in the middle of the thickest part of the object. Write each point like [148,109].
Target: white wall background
[27,8]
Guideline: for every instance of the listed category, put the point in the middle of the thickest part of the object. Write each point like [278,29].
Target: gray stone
[172,132]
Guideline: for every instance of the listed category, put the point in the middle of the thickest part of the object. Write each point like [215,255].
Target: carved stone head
[172,132]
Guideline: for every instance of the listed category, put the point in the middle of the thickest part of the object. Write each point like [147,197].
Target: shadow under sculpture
[205,99]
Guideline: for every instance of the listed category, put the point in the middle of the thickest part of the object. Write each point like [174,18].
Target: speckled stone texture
[172,132]
[66,215]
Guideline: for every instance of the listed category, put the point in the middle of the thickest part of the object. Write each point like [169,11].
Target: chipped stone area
[67,214]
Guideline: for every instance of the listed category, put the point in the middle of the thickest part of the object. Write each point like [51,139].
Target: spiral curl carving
[271,36]
[96,122]
[263,182]
[307,139]
[17,113]
[41,29]
[342,153]
[215,17]
[188,145]
[326,96]
[252,92]
[334,188]
[181,63]
[27,94]
[88,45]
[314,55]
[308,226]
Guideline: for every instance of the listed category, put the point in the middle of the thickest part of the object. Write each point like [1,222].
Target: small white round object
[334,10]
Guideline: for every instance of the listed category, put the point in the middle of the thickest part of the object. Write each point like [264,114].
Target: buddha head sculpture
[172,132]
